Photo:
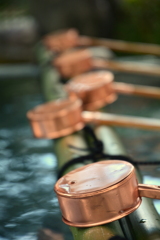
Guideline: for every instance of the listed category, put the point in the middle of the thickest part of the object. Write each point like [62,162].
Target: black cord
[117,238]
[97,154]
[93,158]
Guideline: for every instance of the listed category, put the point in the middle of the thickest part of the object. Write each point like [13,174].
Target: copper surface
[106,191]
[95,89]
[73,63]
[57,118]
[99,193]
[62,40]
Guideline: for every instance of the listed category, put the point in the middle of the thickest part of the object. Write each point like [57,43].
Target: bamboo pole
[50,85]
[76,140]
[103,232]
[121,46]
[121,120]
[52,89]
[100,232]
[144,223]
[44,56]
[65,153]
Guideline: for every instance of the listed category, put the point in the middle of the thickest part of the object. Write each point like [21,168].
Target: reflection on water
[28,205]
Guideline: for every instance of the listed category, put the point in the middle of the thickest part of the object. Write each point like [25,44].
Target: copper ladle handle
[120,120]
[149,191]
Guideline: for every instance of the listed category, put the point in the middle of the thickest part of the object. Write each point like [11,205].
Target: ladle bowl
[95,89]
[100,193]
[62,117]
[56,118]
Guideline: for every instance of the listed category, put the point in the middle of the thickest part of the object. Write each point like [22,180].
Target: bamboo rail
[130,226]
[93,233]
[142,224]
[103,232]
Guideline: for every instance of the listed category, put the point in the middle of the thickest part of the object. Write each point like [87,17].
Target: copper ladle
[96,89]
[73,63]
[60,118]
[61,40]
[64,39]
[101,192]
[56,118]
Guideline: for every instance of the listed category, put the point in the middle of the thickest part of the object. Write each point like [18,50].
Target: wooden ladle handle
[121,120]
[149,191]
